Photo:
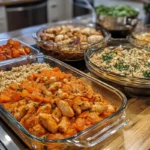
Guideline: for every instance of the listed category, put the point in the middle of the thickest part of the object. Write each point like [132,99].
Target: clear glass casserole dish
[140,37]
[67,52]
[87,138]
[132,86]
[33,51]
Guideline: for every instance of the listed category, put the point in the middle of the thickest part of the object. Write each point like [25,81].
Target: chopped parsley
[35,105]
[121,66]
[53,105]
[39,72]
[47,85]
[148,64]
[109,56]
[20,89]
[43,93]
[146,74]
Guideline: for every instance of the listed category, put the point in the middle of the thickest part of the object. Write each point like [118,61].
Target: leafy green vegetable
[120,66]
[146,74]
[109,56]
[116,11]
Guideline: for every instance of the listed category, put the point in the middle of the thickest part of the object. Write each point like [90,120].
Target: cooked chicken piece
[55,86]
[62,95]
[38,130]
[77,109]
[45,108]
[93,117]
[97,107]
[84,105]
[94,38]
[110,108]
[56,114]
[59,37]
[48,122]
[20,112]
[29,119]
[10,106]
[63,125]
[65,109]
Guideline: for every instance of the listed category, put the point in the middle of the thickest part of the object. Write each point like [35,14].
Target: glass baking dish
[33,50]
[131,86]
[68,52]
[140,37]
[87,138]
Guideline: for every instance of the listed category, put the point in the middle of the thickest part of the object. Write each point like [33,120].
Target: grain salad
[17,74]
[132,62]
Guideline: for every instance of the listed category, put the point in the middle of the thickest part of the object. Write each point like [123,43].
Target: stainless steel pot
[119,27]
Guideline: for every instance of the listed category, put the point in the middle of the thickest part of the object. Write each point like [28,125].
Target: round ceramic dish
[67,52]
[132,86]
[140,37]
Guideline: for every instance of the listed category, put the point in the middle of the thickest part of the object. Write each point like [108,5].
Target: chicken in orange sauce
[54,105]
[13,49]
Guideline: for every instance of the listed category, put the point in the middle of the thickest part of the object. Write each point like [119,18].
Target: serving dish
[119,25]
[32,50]
[140,37]
[73,51]
[87,138]
[131,85]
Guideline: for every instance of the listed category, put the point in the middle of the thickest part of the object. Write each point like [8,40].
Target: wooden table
[135,135]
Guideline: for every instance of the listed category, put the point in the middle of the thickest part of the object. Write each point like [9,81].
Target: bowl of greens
[119,20]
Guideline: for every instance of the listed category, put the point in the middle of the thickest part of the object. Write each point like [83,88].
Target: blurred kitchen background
[17,14]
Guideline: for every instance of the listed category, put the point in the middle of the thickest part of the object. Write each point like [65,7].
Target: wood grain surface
[136,134]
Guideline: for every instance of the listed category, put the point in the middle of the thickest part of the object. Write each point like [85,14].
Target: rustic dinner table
[134,136]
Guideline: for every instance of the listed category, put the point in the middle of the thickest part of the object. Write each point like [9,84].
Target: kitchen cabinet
[3,19]
[59,10]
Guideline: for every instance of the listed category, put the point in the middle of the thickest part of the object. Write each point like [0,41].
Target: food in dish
[13,49]
[69,34]
[142,39]
[116,11]
[132,62]
[17,74]
[68,42]
[144,36]
[54,105]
